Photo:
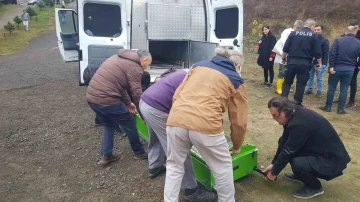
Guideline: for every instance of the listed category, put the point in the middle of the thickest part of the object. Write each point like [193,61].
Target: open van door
[101,33]
[67,34]
[226,23]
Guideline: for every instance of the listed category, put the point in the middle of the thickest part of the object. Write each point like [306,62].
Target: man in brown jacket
[114,94]
[195,119]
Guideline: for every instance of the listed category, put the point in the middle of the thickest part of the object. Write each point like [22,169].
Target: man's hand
[332,70]
[260,42]
[271,177]
[268,169]
[270,59]
[132,108]
[235,151]
[359,67]
[318,68]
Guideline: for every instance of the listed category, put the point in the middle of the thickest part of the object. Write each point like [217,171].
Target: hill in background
[334,15]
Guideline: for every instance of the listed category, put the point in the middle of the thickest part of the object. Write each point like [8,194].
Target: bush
[41,4]
[67,1]
[31,11]
[17,20]
[9,27]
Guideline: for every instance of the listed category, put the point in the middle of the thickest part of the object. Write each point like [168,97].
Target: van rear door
[103,30]
[66,33]
[226,19]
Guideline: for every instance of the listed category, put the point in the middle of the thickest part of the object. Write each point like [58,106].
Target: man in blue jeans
[342,60]
[325,57]
[114,94]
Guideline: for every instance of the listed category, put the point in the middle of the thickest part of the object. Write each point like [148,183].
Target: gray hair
[309,22]
[299,23]
[233,55]
[143,53]
[351,30]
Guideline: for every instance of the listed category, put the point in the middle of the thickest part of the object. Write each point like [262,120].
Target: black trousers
[353,85]
[269,70]
[302,76]
[304,172]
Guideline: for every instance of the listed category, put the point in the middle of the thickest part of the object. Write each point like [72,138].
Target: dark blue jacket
[302,46]
[345,51]
[324,51]
[225,66]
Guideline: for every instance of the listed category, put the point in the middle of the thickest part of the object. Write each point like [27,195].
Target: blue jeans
[319,79]
[345,78]
[112,116]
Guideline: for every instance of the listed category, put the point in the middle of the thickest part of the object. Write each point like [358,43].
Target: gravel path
[36,64]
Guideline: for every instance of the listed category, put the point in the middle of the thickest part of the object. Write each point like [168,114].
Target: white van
[176,32]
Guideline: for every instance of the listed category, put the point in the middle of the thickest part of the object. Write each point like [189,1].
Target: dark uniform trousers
[302,74]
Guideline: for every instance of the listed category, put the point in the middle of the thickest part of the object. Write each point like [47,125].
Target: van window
[227,23]
[102,20]
[68,21]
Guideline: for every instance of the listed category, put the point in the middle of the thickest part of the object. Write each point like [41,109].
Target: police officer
[300,48]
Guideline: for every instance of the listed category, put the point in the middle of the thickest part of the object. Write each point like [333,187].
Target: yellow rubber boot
[279,84]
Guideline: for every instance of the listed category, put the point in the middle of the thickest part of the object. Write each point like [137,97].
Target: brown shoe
[141,156]
[106,160]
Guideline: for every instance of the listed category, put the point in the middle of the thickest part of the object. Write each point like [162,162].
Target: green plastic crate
[243,163]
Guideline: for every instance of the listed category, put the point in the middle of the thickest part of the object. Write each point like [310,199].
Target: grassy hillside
[280,14]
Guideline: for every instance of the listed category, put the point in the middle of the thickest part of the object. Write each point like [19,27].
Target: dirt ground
[49,146]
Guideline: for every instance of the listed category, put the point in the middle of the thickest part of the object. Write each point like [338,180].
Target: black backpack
[90,71]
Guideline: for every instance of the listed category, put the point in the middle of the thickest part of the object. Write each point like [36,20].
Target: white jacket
[278,48]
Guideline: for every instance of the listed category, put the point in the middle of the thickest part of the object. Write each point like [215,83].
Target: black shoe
[325,109]
[308,93]
[268,85]
[307,193]
[350,104]
[157,171]
[201,195]
[341,112]
[292,177]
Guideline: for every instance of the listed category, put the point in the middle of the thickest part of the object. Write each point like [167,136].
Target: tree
[49,3]
[41,4]
[9,27]
[67,1]
[31,11]
[17,20]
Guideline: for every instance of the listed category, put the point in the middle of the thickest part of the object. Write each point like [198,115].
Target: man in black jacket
[353,84]
[310,144]
[343,57]
[325,57]
[299,50]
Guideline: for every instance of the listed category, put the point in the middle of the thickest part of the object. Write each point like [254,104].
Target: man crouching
[310,144]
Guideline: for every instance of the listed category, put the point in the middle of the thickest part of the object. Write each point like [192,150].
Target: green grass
[43,22]
[264,132]
[4,8]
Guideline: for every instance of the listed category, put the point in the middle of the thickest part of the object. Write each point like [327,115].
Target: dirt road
[49,146]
